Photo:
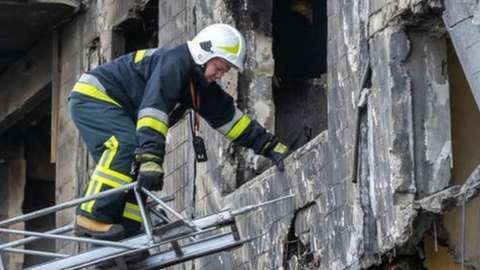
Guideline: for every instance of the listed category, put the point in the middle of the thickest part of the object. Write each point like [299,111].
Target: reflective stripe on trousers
[104,175]
[132,211]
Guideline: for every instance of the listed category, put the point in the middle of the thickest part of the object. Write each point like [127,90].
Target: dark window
[299,85]
[138,32]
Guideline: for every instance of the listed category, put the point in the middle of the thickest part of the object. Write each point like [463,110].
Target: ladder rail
[34,238]
[203,247]
[93,257]
[171,210]
[129,252]
[183,229]
[37,253]
[194,249]
[70,238]
[65,205]
[147,224]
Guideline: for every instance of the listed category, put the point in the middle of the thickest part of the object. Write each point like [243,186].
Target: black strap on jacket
[198,144]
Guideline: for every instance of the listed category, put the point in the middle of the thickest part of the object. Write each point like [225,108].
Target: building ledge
[28,22]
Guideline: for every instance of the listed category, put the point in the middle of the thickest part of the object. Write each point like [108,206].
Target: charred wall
[29,179]
[405,151]
[405,138]
[96,34]
[299,84]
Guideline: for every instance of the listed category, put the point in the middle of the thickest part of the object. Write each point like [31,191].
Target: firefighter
[123,110]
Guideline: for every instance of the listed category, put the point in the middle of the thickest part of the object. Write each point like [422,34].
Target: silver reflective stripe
[150,52]
[129,208]
[109,177]
[228,126]
[104,157]
[152,112]
[94,187]
[90,79]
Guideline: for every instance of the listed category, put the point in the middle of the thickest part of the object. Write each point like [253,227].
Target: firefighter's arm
[220,112]
[162,91]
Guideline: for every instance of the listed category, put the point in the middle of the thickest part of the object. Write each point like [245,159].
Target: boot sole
[81,232]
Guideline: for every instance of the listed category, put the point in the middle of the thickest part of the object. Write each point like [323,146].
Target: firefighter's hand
[150,172]
[277,152]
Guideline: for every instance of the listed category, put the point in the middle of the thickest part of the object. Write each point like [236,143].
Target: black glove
[150,172]
[277,152]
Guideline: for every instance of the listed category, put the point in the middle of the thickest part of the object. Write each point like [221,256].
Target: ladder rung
[191,251]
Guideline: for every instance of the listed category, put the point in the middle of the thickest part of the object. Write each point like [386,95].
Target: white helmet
[219,40]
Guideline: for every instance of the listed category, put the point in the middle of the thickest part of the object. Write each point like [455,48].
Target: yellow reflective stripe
[132,211]
[97,190]
[132,206]
[108,182]
[228,126]
[154,113]
[154,124]
[97,186]
[103,175]
[111,144]
[106,160]
[92,91]
[91,186]
[116,174]
[139,55]
[231,49]
[239,128]
[280,148]
[111,175]
[132,216]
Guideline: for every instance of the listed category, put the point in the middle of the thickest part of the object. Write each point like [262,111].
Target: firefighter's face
[215,69]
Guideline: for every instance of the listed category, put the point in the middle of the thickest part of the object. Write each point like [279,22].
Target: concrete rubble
[408,177]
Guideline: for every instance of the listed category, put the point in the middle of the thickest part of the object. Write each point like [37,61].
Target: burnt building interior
[300,53]
[139,31]
[40,176]
[28,174]
[416,203]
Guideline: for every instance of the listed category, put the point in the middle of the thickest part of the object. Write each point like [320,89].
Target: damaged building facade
[414,205]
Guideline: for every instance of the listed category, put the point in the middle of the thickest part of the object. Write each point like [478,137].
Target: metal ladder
[168,241]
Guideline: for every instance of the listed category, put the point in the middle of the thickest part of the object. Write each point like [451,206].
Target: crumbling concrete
[339,227]
[405,140]
[444,200]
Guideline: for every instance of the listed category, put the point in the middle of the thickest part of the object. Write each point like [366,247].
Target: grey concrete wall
[71,156]
[86,41]
[331,223]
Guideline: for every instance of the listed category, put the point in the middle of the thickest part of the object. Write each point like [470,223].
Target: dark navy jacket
[153,87]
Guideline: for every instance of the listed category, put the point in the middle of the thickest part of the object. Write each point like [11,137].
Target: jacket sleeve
[162,92]
[218,109]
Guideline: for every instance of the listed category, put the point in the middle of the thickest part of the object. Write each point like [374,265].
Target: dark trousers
[110,136]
